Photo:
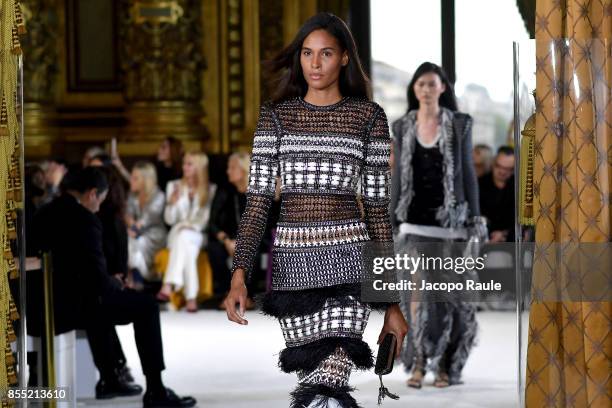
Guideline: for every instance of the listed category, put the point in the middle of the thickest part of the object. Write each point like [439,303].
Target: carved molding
[39,45]
[162,61]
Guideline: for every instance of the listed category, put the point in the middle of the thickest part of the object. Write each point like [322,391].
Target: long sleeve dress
[322,155]
[435,197]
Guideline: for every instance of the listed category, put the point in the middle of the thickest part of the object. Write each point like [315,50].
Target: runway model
[435,203]
[322,135]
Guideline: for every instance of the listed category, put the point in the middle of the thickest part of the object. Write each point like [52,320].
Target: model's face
[189,167]
[235,174]
[136,181]
[322,59]
[503,168]
[163,152]
[428,89]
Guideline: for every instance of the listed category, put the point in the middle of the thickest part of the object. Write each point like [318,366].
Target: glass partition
[563,207]
[524,137]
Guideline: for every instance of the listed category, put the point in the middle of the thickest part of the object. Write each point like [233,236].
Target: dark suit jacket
[73,236]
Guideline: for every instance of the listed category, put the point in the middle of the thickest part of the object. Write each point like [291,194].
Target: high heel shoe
[192,306]
[164,293]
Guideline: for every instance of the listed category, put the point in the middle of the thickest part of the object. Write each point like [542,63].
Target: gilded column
[40,74]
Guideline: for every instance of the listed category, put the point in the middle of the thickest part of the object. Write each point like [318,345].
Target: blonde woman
[145,211]
[187,211]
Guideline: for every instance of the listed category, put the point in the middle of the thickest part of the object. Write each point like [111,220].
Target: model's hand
[396,324]
[237,294]
[498,236]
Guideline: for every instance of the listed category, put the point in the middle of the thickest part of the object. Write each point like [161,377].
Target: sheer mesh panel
[313,208]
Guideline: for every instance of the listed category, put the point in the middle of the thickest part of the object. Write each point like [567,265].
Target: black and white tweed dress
[323,155]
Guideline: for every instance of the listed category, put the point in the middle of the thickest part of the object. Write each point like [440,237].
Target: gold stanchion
[49,330]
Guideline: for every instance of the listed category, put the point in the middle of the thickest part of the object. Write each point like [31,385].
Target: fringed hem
[289,303]
[305,394]
[309,356]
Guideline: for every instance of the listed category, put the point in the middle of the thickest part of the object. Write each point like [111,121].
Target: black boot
[166,398]
[116,387]
[124,373]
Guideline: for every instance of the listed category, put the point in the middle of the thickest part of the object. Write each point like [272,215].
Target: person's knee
[147,304]
[189,238]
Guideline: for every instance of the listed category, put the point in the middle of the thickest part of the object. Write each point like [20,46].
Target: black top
[225,212]
[427,165]
[497,204]
[166,174]
[73,236]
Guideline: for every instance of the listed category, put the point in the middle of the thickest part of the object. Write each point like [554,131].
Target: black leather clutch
[384,364]
[386,355]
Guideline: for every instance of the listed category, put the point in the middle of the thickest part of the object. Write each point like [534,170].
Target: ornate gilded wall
[138,70]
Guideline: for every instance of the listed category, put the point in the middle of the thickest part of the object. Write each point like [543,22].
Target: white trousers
[182,269]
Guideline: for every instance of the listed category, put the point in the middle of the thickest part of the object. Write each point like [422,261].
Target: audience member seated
[169,161]
[187,211]
[55,170]
[482,155]
[497,196]
[87,297]
[114,245]
[146,229]
[226,209]
[34,197]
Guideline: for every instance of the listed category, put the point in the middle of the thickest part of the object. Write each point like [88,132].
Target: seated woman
[146,229]
[227,207]
[168,161]
[187,211]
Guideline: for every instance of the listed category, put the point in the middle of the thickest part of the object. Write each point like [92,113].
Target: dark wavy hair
[116,200]
[286,68]
[447,99]
[176,152]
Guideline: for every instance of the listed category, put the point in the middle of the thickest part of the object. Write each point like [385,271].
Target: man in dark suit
[497,196]
[86,297]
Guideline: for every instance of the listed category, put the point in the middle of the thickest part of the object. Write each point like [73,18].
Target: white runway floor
[226,365]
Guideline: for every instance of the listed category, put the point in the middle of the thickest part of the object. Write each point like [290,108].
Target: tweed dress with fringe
[442,333]
[325,156]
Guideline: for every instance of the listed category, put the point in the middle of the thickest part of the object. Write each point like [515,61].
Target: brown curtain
[569,355]
[11,25]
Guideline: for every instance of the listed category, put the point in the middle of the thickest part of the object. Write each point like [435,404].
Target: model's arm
[376,180]
[376,185]
[470,181]
[395,172]
[260,194]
